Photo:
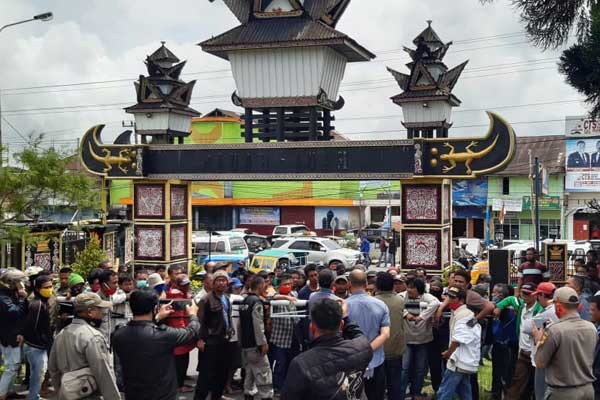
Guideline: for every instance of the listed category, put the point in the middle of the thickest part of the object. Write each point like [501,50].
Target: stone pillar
[162,220]
[426,233]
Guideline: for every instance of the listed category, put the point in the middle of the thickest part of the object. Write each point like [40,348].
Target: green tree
[88,260]
[549,23]
[40,177]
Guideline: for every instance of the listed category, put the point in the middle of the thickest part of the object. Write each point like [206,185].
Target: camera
[177,304]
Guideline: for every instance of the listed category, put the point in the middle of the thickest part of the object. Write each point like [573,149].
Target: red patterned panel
[178,241]
[149,201]
[149,242]
[421,204]
[421,249]
[179,201]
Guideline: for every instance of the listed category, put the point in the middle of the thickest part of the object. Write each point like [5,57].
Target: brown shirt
[395,346]
[567,352]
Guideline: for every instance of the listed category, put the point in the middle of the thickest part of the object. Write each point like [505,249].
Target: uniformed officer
[259,378]
[81,345]
[566,350]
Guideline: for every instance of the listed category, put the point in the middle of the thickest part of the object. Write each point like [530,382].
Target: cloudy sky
[107,41]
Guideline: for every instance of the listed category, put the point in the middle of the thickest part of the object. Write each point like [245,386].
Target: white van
[219,244]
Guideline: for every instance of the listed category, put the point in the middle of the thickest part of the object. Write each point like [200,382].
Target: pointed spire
[430,37]
[163,56]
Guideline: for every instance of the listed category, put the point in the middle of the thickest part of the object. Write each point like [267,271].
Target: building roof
[327,10]
[549,149]
[285,32]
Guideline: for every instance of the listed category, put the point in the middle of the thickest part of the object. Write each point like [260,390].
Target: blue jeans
[455,383]
[12,361]
[282,358]
[38,363]
[414,369]
[393,378]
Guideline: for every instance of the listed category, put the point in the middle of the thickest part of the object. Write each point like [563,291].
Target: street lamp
[47,16]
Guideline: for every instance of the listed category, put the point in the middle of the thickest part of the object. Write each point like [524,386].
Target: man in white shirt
[464,352]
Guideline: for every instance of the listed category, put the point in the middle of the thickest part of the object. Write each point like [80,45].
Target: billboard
[328,217]
[260,216]
[582,127]
[582,165]
[470,193]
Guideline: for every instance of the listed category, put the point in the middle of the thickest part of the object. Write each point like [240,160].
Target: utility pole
[537,191]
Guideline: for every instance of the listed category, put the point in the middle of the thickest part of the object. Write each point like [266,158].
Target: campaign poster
[582,165]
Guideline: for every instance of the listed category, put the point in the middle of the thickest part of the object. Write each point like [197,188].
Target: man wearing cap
[214,314]
[463,353]
[341,286]
[566,350]
[81,345]
[544,295]
[527,307]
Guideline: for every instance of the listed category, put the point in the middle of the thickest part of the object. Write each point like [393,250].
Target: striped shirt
[535,272]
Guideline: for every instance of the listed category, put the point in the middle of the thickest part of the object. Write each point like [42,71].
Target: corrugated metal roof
[549,149]
[271,32]
[240,8]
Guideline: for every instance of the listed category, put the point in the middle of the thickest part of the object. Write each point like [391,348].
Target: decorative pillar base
[426,233]
[162,223]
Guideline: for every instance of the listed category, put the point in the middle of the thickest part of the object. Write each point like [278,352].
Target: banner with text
[582,165]
[260,216]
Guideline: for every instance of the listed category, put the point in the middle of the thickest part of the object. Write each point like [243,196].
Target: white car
[219,244]
[319,250]
[286,230]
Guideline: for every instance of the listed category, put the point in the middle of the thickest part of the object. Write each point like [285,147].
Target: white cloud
[99,40]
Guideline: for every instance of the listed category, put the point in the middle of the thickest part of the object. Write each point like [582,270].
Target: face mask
[285,290]
[95,287]
[46,292]
[108,290]
[454,306]
[141,284]
[496,299]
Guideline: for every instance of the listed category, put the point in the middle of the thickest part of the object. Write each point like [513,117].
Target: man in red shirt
[179,290]
[532,271]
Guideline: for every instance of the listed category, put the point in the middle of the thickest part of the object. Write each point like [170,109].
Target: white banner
[260,216]
[581,127]
[510,205]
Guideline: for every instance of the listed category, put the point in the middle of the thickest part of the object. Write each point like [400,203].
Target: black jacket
[210,315]
[12,313]
[36,326]
[332,369]
[145,352]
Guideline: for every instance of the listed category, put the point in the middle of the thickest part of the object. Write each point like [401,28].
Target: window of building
[506,185]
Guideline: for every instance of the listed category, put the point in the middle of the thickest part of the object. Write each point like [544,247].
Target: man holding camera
[146,350]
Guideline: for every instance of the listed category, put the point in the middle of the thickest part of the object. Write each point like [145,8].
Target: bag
[77,384]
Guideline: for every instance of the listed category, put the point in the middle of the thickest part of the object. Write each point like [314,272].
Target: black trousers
[504,358]
[375,387]
[435,349]
[181,366]
[213,365]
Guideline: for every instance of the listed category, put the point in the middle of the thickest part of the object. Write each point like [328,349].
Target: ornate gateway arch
[288,62]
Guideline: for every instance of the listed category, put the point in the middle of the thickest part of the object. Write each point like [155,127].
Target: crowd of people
[311,333]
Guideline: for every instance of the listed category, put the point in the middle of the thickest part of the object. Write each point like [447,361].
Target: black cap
[529,288]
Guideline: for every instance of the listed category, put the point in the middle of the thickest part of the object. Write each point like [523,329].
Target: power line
[223,96]
[14,129]
[228,70]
